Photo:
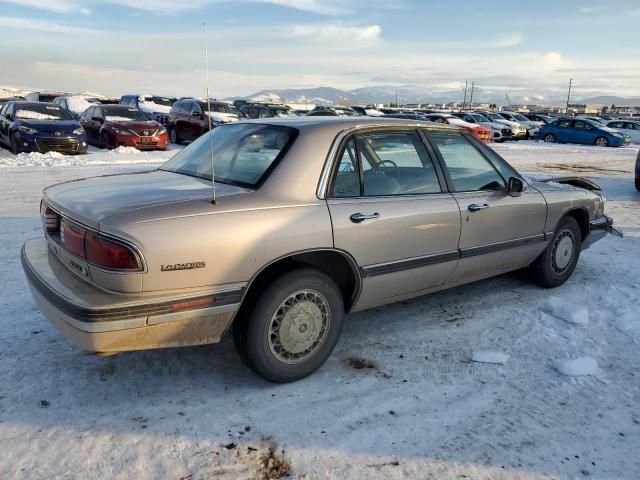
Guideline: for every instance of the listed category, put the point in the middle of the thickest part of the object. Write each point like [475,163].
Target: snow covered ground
[553,390]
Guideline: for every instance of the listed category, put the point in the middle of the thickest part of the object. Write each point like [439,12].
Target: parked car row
[582,131]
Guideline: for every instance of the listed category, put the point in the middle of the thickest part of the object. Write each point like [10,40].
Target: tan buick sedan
[313,218]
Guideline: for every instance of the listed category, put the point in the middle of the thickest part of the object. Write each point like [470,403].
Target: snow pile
[577,367]
[117,118]
[78,104]
[153,107]
[486,356]
[31,115]
[569,312]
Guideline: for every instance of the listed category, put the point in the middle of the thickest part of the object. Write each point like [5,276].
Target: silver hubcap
[601,142]
[562,252]
[299,326]
[549,139]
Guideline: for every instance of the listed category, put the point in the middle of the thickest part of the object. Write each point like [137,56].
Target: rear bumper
[111,322]
[598,229]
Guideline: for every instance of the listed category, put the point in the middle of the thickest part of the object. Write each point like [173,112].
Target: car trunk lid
[90,200]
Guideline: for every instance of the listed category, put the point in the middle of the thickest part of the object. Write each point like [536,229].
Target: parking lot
[399,397]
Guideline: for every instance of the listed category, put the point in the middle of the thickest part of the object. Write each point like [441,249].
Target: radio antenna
[213,163]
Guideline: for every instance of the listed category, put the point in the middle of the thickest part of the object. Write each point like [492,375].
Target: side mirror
[97,119]
[516,186]
[196,114]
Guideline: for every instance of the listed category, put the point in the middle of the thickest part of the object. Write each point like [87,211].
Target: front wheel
[293,326]
[555,265]
[105,141]
[14,142]
[173,136]
[602,142]
[550,138]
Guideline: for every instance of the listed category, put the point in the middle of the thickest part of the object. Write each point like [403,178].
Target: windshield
[117,114]
[244,153]
[520,118]
[284,112]
[41,111]
[167,102]
[217,107]
[481,118]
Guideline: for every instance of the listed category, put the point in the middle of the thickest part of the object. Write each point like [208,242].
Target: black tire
[174,138]
[549,269]
[104,141]
[550,138]
[258,336]
[601,142]
[14,144]
[638,183]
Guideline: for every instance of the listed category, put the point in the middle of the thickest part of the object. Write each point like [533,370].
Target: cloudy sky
[156,46]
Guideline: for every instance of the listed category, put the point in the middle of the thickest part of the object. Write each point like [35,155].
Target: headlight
[27,130]
[78,131]
[617,135]
[120,131]
[162,131]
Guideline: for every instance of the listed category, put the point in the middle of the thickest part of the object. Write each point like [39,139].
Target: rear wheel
[293,326]
[638,183]
[550,138]
[602,142]
[555,265]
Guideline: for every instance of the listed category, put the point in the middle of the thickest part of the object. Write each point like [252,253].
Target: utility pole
[566,111]
[473,87]
[397,98]
[466,86]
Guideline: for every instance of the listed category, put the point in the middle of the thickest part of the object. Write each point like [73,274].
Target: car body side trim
[408,263]
[417,262]
[498,246]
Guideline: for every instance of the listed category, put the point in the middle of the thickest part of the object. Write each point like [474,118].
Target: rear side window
[468,169]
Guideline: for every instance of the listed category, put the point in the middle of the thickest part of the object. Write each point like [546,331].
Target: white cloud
[588,9]
[323,7]
[316,6]
[40,26]
[58,6]
[337,34]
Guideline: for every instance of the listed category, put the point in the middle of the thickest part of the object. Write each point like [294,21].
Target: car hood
[223,117]
[50,126]
[91,200]
[550,182]
[136,125]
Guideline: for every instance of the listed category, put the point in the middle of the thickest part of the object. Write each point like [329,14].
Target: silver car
[313,218]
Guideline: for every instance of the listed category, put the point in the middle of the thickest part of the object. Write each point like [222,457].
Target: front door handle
[361,217]
[474,207]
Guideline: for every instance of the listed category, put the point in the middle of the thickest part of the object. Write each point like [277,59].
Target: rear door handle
[474,207]
[361,217]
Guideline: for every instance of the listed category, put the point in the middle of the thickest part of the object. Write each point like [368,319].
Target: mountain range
[411,94]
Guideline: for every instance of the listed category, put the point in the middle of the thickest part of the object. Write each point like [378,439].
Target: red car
[481,133]
[111,126]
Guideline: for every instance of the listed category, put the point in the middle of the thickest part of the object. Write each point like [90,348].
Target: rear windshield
[41,111]
[244,154]
[118,114]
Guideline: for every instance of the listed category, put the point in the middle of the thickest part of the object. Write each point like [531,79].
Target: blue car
[40,127]
[580,130]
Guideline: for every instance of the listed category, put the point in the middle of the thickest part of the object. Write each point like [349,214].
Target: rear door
[499,232]
[390,212]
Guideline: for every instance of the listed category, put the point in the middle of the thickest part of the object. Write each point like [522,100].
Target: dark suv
[267,110]
[188,118]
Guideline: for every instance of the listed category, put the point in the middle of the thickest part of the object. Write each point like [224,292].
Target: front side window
[564,123]
[468,169]
[244,153]
[389,163]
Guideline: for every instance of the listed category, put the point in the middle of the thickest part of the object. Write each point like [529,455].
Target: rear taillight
[50,220]
[96,249]
[109,254]
[72,238]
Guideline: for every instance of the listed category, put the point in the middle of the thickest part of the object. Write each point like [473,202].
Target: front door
[499,232]
[391,213]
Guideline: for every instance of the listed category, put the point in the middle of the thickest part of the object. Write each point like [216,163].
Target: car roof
[338,124]
[115,105]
